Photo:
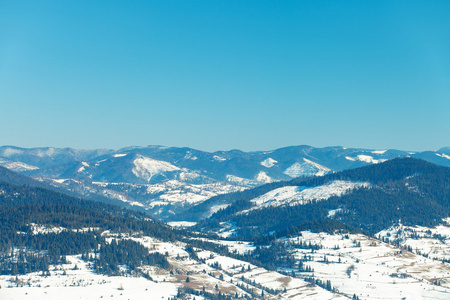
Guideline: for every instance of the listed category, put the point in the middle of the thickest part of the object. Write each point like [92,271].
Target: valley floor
[355,265]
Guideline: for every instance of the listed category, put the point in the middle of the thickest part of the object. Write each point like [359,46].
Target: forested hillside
[40,227]
[407,190]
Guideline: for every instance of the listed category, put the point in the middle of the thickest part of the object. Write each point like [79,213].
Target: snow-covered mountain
[166,180]
[294,195]
[54,244]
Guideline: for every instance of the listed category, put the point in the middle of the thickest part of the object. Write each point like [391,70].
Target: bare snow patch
[17,166]
[263,177]
[60,180]
[146,168]
[269,162]
[11,151]
[241,181]
[379,151]
[219,158]
[443,155]
[216,208]
[190,156]
[332,213]
[366,158]
[49,152]
[292,195]
[306,168]
[181,224]
[186,176]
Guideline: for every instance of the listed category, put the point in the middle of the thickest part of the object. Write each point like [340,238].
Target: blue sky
[219,75]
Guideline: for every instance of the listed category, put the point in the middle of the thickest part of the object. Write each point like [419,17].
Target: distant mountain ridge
[168,180]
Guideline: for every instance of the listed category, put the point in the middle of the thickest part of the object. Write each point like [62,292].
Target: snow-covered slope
[367,158]
[353,265]
[146,168]
[160,199]
[17,166]
[292,195]
[306,168]
[269,162]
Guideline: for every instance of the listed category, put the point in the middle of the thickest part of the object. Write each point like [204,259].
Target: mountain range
[168,181]
[370,232]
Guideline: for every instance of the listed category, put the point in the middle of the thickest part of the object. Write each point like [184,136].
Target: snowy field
[67,283]
[371,269]
[431,242]
[354,264]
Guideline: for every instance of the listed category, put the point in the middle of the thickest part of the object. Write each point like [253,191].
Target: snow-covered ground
[306,168]
[431,242]
[242,181]
[17,166]
[367,158]
[371,269]
[175,192]
[146,168]
[354,264]
[269,162]
[263,177]
[80,282]
[181,224]
[443,155]
[294,195]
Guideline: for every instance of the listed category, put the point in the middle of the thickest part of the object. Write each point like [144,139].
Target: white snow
[263,177]
[44,229]
[219,158]
[83,166]
[292,195]
[433,242]
[59,180]
[332,213]
[174,191]
[379,151]
[190,156]
[241,181]
[17,166]
[443,155]
[99,162]
[116,195]
[216,208]
[380,271]
[269,162]
[146,168]
[11,151]
[306,168]
[187,176]
[49,152]
[82,283]
[366,158]
[120,155]
[181,224]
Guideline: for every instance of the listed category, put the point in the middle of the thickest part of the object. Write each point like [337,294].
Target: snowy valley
[376,232]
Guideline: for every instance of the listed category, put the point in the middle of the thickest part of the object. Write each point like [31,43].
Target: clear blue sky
[251,75]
